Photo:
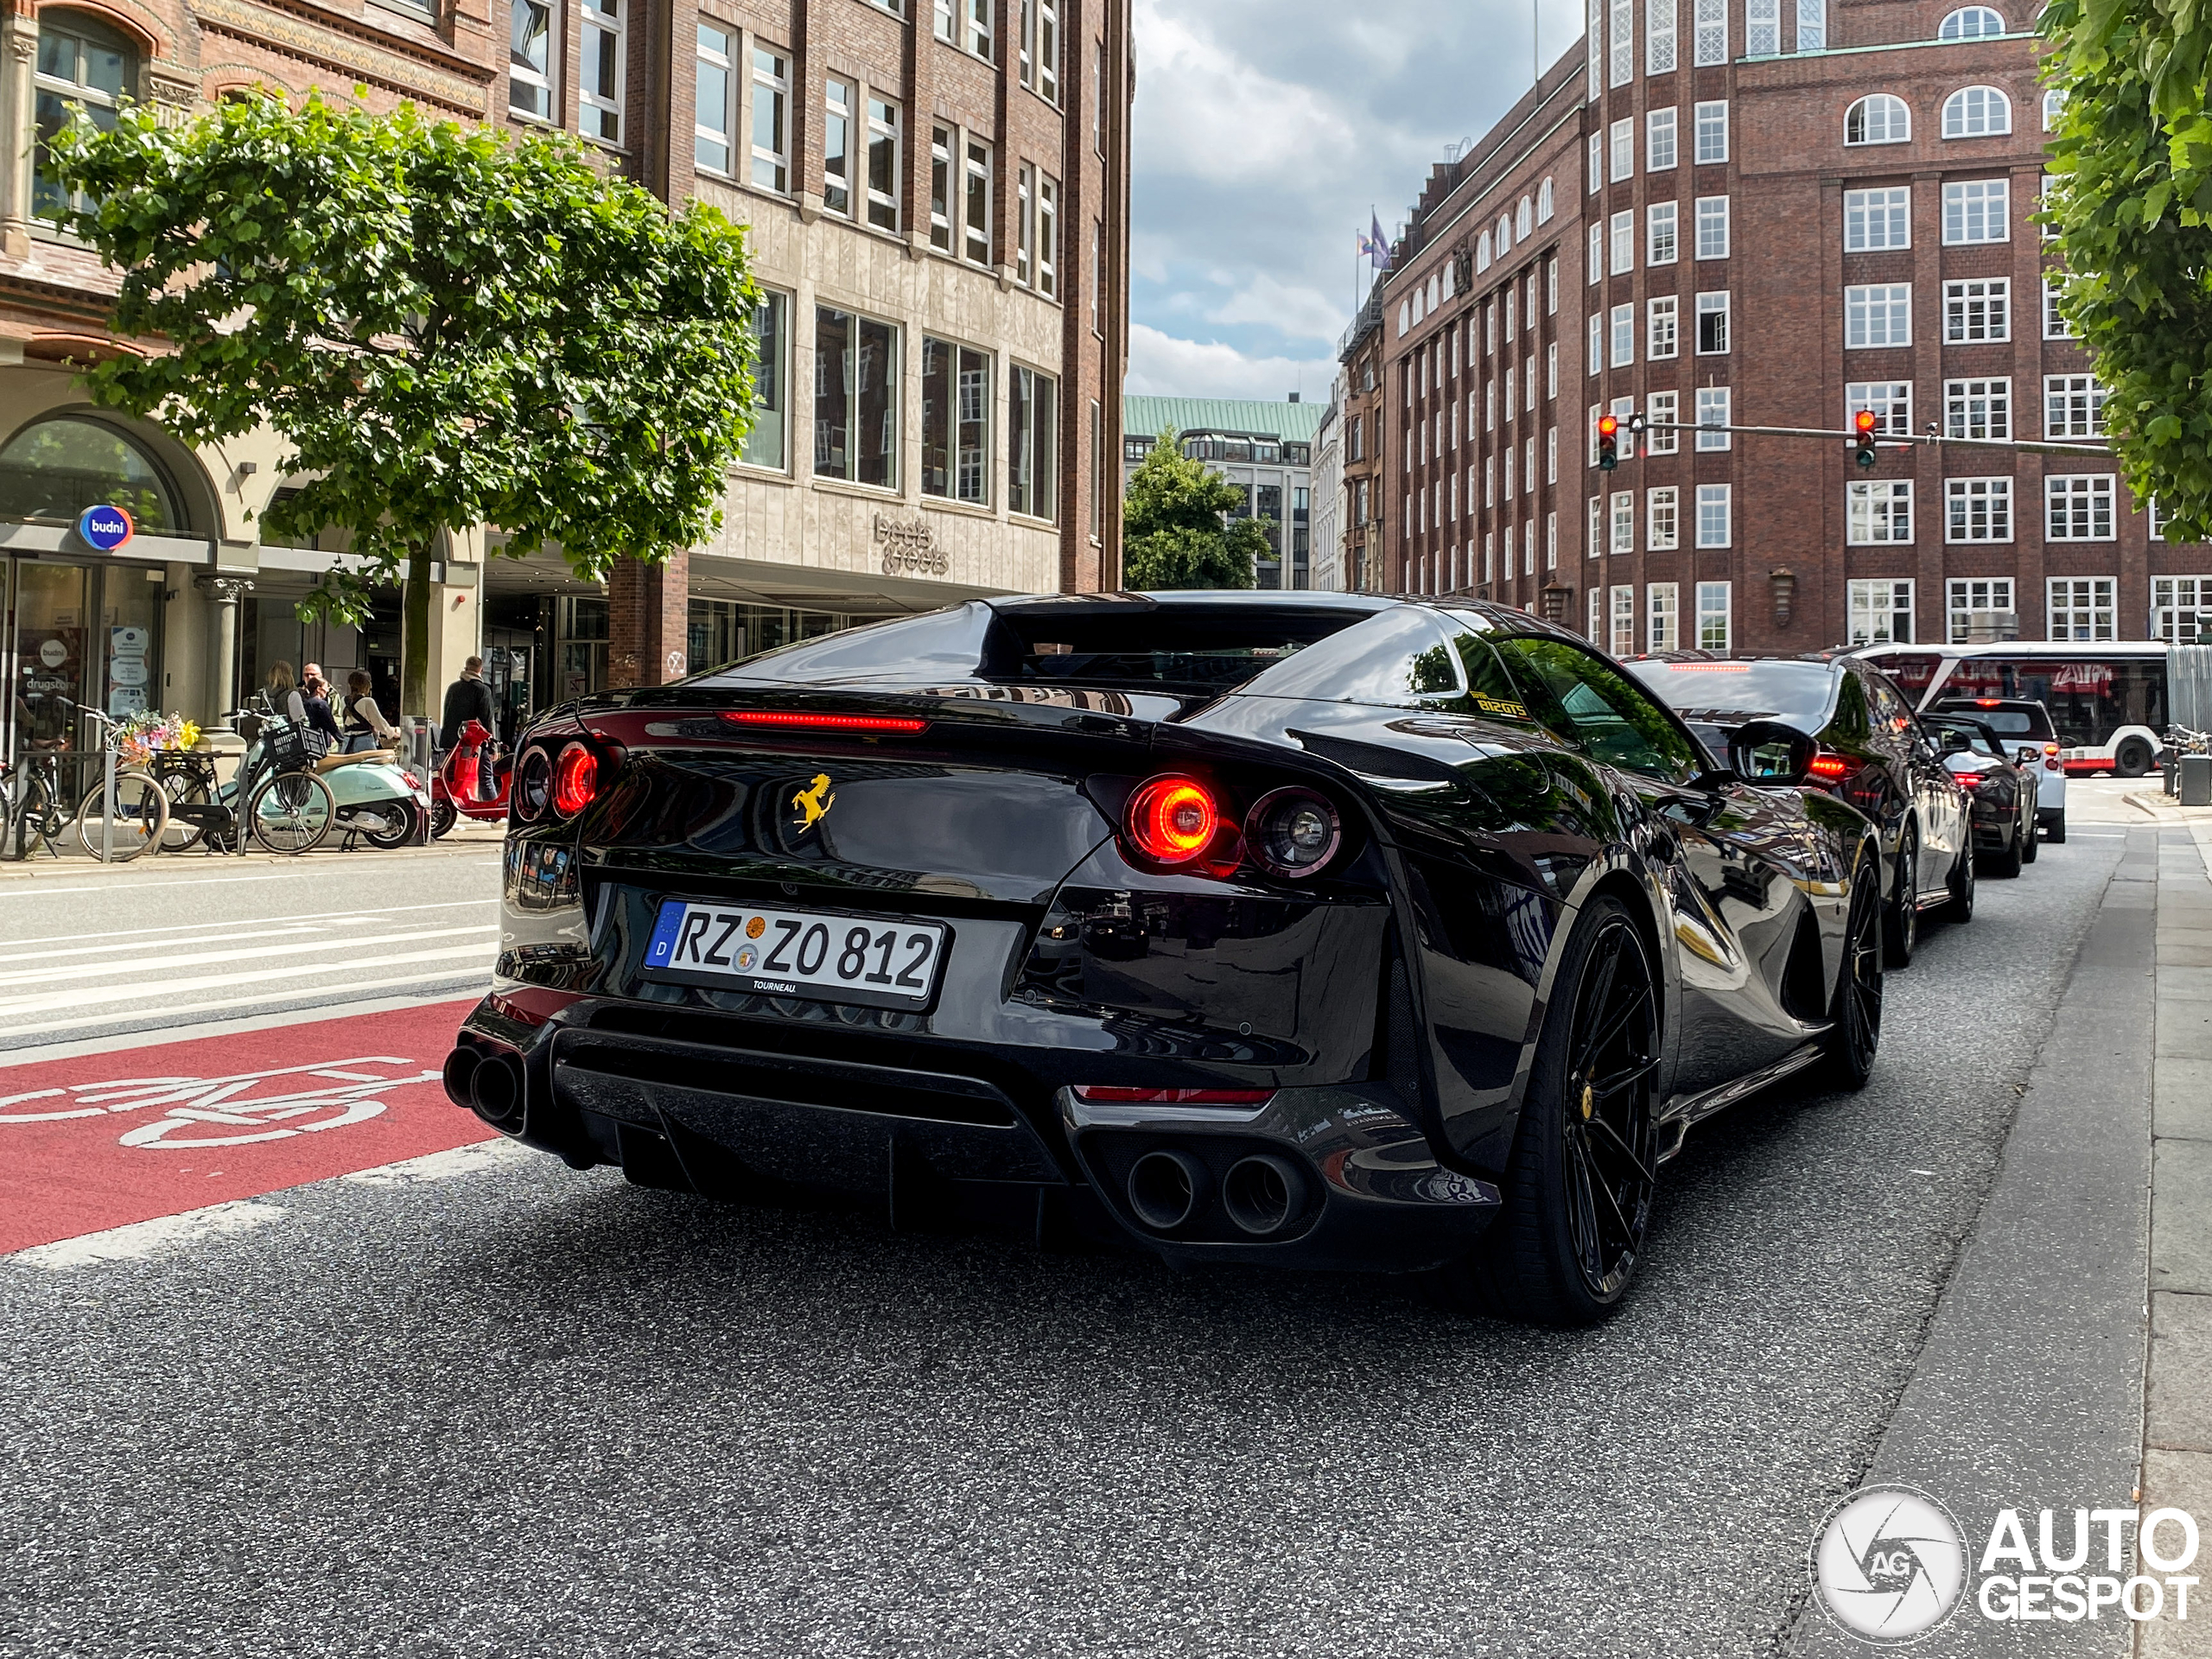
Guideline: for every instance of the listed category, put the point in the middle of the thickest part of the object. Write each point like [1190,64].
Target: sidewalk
[68,859]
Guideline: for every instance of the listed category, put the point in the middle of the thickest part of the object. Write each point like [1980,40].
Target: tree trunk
[415,636]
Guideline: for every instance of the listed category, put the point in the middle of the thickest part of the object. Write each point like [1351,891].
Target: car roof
[1296,599]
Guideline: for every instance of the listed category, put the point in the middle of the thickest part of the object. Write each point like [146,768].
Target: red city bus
[2107,700]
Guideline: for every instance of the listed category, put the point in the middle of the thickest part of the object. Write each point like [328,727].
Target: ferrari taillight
[1172,820]
[575,779]
[1971,779]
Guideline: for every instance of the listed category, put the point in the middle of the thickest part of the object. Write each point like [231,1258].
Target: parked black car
[1326,930]
[2025,724]
[1873,753]
[2001,793]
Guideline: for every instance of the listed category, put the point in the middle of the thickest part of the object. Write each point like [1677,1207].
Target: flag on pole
[1375,244]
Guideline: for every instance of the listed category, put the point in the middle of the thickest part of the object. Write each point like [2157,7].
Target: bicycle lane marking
[95,1142]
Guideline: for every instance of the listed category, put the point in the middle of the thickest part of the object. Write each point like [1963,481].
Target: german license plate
[874,960]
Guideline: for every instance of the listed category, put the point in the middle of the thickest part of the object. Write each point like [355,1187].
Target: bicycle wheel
[292,812]
[136,822]
[183,837]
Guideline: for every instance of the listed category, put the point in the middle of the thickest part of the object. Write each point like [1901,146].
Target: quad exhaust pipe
[488,1084]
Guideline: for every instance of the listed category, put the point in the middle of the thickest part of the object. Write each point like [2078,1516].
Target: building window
[1658,37]
[2181,609]
[856,398]
[976,24]
[1713,515]
[1977,311]
[1621,640]
[1623,225]
[1977,509]
[1621,536]
[1040,48]
[1812,25]
[2079,607]
[1048,237]
[1621,63]
[1874,219]
[1712,404]
[978,218]
[1714,629]
[1097,275]
[1881,612]
[1660,246]
[1595,266]
[600,74]
[1621,150]
[529,70]
[1974,210]
[1878,314]
[1660,616]
[2054,105]
[1551,369]
[1098,481]
[1762,29]
[771,120]
[1024,220]
[1970,23]
[942,146]
[883,164]
[1658,141]
[1597,159]
[1597,342]
[1977,113]
[1661,519]
[2054,326]
[716,104]
[837,148]
[1712,324]
[1713,227]
[1661,339]
[1977,409]
[1890,400]
[1098,99]
[1032,428]
[1594,541]
[2077,507]
[1662,410]
[955,422]
[1544,208]
[1710,41]
[2073,406]
[1979,606]
[1712,133]
[1551,455]
[1878,512]
[764,444]
[1877,118]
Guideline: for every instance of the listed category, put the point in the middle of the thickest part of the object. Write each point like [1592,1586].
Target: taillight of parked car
[1292,833]
[575,779]
[2050,757]
[1971,779]
[1172,820]
[1829,767]
[532,789]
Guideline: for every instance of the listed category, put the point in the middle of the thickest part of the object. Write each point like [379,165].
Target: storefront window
[54,469]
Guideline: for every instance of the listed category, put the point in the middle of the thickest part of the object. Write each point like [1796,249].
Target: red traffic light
[1607,426]
[1863,422]
[1609,444]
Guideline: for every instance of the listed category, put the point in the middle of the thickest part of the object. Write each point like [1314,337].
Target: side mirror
[1769,754]
[1956,744]
[2029,757]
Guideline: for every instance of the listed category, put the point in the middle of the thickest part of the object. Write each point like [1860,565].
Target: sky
[1264,130]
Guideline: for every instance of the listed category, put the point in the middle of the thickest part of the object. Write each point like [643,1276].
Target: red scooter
[457,788]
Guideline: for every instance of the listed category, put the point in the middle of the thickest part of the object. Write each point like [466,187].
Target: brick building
[1731,212]
[936,193]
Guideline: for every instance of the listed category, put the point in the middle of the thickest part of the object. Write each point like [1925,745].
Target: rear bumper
[975,1146]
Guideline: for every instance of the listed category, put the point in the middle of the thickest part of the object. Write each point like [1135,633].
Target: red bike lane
[133,1133]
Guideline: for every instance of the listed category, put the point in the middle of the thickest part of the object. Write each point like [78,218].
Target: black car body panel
[1384,1012]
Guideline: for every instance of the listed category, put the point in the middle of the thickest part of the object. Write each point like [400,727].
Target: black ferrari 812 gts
[1335,931]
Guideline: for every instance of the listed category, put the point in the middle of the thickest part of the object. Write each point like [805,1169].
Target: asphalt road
[506,1408]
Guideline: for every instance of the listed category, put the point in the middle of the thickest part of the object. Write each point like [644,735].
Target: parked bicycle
[117,822]
[34,811]
[286,807]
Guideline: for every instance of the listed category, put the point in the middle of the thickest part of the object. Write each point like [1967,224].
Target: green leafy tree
[1174,529]
[447,326]
[2132,203]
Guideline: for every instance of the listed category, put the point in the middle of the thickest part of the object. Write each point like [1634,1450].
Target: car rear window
[2026,719]
[1797,693]
[1187,648]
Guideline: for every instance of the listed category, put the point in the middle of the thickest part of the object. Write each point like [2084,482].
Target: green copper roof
[1292,423]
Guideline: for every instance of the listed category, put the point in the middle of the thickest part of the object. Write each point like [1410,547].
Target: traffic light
[1609,443]
[1862,423]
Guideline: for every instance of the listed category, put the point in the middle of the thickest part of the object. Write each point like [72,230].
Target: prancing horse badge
[814,802]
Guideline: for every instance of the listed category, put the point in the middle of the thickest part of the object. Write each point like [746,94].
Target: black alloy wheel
[1579,1191]
[1960,906]
[1901,925]
[1856,1009]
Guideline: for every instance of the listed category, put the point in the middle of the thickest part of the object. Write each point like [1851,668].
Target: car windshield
[1797,693]
[2013,722]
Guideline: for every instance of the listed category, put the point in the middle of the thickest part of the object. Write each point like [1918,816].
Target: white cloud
[1162,366]
[1299,312]
[1203,112]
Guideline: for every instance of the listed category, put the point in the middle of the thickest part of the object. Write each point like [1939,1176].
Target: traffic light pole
[2019,446]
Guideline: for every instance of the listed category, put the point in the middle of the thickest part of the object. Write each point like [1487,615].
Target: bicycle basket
[293,748]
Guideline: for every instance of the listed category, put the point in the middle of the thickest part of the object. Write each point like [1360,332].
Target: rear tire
[2007,865]
[292,812]
[2031,837]
[1579,1187]
[1960,907]
[2133,759]
[399,830]
[443,816]
[1901,922]
[2057,835]
[1856,1009]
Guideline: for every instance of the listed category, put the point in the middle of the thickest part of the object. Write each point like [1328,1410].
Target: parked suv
[2022,723]
[1873,753]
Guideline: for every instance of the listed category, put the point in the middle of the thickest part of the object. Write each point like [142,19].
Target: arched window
[1971,23]
[54,469]
[2054,104]
[1524,220]
[1504,235]
[1976,112]
[1433,294]
[1877,118]
[1405,317]
[80,61]
[1482,251]
[1544,209]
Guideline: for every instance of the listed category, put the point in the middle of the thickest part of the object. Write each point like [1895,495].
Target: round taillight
[532,787]
[1173,820]
[575,780]
[1292,833]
